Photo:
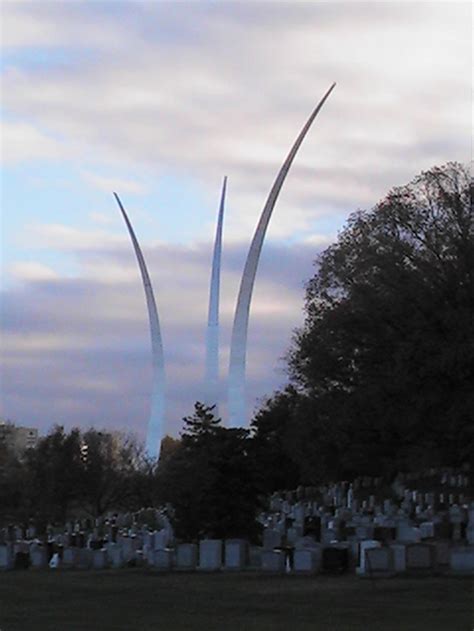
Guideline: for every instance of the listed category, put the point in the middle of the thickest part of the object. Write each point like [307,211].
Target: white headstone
[299,513]
[407,533]
[236,552]
[364,532]
[307,560]
[255,557]
[38,557]
[186,556]
[399,557]
[115,555]
[161,539]
[99,559]
[210,554]
[6,557]
[363,547]
[379,561]
[163,559]
[84,561]
[470,527]
[293,534]
[70,557]
[462,560]
[273,561]
[420,556]
[128,546]
[427,530]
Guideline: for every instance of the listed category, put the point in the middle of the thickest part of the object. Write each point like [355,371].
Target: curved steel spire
[238,350]
[155,424]
[212,337]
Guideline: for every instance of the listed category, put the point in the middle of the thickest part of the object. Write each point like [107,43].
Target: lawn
[142,600]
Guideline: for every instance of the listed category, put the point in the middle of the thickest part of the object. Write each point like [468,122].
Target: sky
[158,101]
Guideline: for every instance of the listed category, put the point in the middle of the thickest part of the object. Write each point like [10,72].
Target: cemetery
[411,552]
[345,528]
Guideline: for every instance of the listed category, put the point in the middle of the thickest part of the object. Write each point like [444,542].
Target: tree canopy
[384,364]
[210,480]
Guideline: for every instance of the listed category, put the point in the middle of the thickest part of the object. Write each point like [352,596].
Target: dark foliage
[386,355]
[210,480]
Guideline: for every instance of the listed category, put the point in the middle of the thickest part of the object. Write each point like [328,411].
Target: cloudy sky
[158,101]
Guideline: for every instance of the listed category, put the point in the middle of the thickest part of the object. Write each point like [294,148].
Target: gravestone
[99,559]
[149,540]
[442,554]
[210,554]
[161,539]
[335,559]
[186,556]
[307,560]
[255,557]
[115,555]
[70,557]
[364,532]
[273,561]
[84,560]
[407,533]
[293,534]
[420,557]
[462,561]
[427,530]
[470,528]
[363,547]
[163,559]
[38,556]
[236,553]
[128,546]
[379,562]
[271,539]
[299,513]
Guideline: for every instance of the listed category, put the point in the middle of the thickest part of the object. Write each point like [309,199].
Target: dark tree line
[381,381]
[68,474]
[382,371]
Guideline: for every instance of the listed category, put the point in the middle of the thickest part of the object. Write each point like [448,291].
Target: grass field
[141,600]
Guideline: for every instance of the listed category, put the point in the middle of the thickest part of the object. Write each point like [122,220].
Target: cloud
[226,91]
[110,184]
[22,142]
[32,271]
[128,94]
[83,354]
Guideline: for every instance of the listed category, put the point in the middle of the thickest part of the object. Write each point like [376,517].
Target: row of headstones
[410,501]
[326,529]
[372,558]
[109,526]
[455,479]
[457,523]
[366,558]
[344,524]
[441,487]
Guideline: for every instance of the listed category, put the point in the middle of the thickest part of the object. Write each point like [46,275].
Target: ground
[138,599]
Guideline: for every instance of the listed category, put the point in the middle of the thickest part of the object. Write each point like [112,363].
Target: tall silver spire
[212,337]
[238,350]
[157,412]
